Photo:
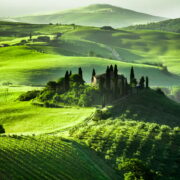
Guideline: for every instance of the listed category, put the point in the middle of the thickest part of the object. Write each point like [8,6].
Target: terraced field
[46,157]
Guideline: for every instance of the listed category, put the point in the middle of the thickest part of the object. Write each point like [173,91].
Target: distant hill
[172,25]
[94,15]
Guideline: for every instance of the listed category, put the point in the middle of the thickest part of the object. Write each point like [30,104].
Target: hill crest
[94,15]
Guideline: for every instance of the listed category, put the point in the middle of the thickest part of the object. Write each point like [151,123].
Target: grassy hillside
[172,25]
[151,47]
[143,127]
[94,15]
[78,45]
[27,66]
[46,157]
[148,106]
[26,118]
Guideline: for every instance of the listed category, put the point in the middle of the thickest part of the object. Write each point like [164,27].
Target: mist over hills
[94,15]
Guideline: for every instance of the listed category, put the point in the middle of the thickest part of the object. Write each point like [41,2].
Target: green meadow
[26,118]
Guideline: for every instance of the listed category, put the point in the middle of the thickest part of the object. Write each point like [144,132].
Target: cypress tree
[115,81]
[66,81]
[141,83]
[101,84]
[108,78]
[147,82]
[80,73]
[111,68]
[70,73]
[115,71]
[132,76]
[126,87]
[93,74]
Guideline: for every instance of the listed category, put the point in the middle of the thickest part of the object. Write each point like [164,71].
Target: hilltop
[94,15]
[172,25]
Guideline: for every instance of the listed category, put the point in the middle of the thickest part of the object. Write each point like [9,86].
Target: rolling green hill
[29,63]
[172,25]
[46,157]
[94,15]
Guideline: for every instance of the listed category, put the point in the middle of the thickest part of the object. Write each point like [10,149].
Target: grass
[24,118]
[48,157]
[25,65]
[149,51]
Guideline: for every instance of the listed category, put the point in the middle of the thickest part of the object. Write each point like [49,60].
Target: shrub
[101,115]
[159,91]
[43,39]
[52,85]
[29,95]
[46,95]
[107,28]
[2,130]
[136,169]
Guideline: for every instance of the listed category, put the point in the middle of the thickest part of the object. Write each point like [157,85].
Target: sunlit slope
[46,157]
[94,15]
[140,46]
[22,65]
[26,118]
[143,46]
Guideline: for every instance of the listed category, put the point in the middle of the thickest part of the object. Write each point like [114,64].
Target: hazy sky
[166,8]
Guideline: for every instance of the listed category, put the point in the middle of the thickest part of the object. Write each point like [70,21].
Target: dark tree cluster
[143,82]
[65,83]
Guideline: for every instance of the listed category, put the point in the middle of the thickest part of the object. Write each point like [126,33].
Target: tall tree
[70,73]
[147,82]
[141,83]
[80,73]
[101,84]
[108,78]
[126,87]
[93,74]
[111,68]
[132,76]
[115,71]
[66,81]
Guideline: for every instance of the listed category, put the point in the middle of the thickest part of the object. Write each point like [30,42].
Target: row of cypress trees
[105,84]
[143,82]
[67,78]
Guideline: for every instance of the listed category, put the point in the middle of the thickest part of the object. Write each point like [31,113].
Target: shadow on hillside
[148,106]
